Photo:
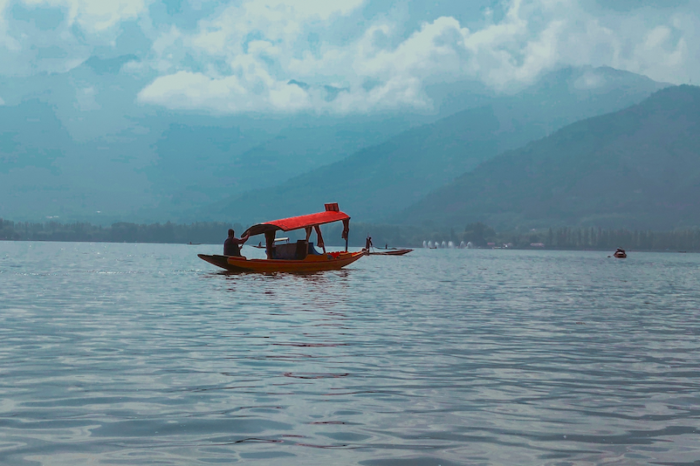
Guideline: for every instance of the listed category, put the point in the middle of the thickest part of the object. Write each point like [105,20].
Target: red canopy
[295,223]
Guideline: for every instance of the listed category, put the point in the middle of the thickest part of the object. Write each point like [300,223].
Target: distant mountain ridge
[75,146]
[379,181]
[197,165]
[635,168]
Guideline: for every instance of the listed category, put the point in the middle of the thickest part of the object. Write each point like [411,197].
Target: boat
[391,252]
[620,254]
[301,256]
[277,240]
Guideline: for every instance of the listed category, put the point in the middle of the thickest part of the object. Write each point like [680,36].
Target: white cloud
[252,42]
[241,56]
[441,50]
[85,99]
[229,94]
[279,21]
[95,15]
[661,57]
[83,26]
[533,37]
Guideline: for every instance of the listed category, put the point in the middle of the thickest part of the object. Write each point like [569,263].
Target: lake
[144,354]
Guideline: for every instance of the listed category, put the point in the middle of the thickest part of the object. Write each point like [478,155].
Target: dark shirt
[231,247]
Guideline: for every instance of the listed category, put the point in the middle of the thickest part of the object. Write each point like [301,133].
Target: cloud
[258,74]
[660,56]
[95,16]
[85,99]
[352,57]
[244,50]
[55,36]
[248,55]
[278,21]
[230,94]
[255,74]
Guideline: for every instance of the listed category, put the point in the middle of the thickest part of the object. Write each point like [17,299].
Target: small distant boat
[620,254]
[301,256]
[391,252]
[277,241]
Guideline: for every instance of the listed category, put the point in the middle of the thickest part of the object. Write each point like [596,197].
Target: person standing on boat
[232,245]
[368,243]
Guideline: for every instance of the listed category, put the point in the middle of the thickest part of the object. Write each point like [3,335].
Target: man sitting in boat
[231,245]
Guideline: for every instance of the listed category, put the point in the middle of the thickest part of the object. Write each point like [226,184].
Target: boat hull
[312,263]
[395,252]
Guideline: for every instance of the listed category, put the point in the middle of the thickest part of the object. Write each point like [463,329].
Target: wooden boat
[391,252]
[301,256]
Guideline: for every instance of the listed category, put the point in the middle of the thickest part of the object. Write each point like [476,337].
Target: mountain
[378,181]
[80,146]
[38,178]
[77,146]
[635,168]
[197,165]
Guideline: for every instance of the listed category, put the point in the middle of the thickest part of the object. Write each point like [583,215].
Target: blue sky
[333,57]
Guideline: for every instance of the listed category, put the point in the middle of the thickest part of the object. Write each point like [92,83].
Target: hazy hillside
[45,172]
[77,147]
[636,168]
[75,144]
[379,181]
[198,165]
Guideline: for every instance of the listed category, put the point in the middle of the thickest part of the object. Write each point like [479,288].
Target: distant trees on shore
[597,238]
[122,232]
[393,235]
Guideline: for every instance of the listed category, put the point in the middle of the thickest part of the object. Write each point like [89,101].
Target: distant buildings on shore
[468,245]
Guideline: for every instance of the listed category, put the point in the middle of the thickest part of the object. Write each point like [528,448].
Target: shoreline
[341,246]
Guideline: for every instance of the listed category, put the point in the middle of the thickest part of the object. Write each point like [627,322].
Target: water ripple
[140,354]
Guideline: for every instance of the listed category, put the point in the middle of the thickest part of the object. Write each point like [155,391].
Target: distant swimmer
[232,244]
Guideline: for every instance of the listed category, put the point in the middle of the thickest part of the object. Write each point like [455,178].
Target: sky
[283,57]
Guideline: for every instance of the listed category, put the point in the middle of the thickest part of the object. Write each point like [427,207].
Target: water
[143,354]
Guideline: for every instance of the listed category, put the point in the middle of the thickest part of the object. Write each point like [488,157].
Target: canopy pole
[346,232]
[319,238]
[269,243]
